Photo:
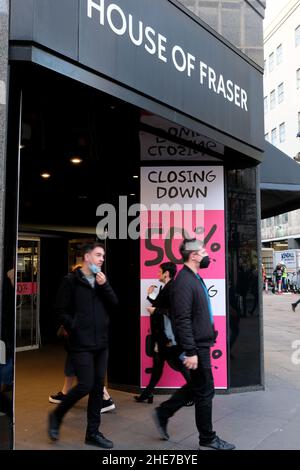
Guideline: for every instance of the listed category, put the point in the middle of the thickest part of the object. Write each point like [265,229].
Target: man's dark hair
[171,267]
[188,246]
[88,247]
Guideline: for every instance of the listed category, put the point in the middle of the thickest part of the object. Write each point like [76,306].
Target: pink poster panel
[162,230]
[160,244]
[173,379]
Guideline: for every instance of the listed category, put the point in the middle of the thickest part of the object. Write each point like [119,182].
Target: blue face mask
[94,269]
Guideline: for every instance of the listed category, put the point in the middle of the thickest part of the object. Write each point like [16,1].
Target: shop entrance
[72,141]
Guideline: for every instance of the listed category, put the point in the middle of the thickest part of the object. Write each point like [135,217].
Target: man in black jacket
[194,331]
[83,301]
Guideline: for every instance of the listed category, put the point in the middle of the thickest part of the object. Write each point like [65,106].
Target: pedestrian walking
[192,320]
[83,303]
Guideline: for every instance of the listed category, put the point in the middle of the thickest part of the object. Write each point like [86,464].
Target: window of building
[279,56]
[266,104]
[298,78]
[272,99]
[280,92]
[297,36]
[274,136]
[282,132]
[267,136]
[271,62]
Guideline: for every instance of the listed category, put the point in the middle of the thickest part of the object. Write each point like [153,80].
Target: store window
[297,36]
[272,99]
[282,132]
[280,92]
[266,104]
[279,55]
[271,62]
[298,79]
[274,136]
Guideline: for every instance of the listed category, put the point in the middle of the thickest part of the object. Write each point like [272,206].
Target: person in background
[164,346]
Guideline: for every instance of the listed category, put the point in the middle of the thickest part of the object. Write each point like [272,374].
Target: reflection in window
[243,278]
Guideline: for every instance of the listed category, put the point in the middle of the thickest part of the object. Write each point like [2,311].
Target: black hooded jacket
[83,311]
[190,314]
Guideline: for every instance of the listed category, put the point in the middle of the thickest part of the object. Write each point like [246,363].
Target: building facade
[282,109]
[167,92]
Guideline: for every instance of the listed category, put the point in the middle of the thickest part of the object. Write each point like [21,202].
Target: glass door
[27,305]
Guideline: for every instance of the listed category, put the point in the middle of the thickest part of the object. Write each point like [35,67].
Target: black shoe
[190,403]
[56,398]
[53,426]
[218,444]
[161,424]
[144,396]
[294,307]
[97,439]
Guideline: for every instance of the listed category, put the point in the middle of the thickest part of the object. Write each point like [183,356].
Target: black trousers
[171,355]
[90,369]
[201,390]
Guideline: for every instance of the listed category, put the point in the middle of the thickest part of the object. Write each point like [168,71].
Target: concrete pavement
[268,419]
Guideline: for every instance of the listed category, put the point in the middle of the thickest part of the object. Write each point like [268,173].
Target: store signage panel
[163,219]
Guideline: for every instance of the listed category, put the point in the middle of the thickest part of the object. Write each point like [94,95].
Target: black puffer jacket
[190,313]
[83,311]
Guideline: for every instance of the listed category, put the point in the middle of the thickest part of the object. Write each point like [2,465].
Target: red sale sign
[178,203]
[26,288]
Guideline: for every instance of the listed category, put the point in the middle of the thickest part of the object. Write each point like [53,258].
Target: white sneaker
[107,405]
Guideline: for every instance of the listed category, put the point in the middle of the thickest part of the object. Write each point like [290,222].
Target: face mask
[205,262]
[94,269]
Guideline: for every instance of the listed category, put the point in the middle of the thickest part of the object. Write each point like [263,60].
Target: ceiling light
[135,176]
[45,175]
[132,194]
[76,160]
[22,146]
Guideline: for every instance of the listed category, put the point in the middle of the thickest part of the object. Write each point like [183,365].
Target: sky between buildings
[273,8]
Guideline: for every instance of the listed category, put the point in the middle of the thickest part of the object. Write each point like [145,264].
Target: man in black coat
[82,304]
[194,331]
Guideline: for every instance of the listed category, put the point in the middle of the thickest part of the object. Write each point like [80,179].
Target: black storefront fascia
[130,73]
[279,183]
[148,75]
